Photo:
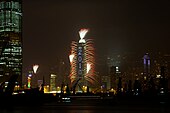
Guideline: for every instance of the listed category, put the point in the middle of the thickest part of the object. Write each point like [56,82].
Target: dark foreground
[91,105]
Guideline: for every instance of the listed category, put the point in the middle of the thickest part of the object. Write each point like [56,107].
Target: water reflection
[52,108]
[88,109]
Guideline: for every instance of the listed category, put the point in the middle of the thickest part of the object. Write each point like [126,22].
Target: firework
[82,59]
[71,57]
[82,34]
[88,67]
[35,68]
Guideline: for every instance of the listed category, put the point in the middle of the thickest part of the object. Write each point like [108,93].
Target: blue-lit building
[80,60]
[147,64]
[10,39]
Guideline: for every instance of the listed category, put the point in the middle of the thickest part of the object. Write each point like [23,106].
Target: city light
[30,75]
[158,76]
[29,82]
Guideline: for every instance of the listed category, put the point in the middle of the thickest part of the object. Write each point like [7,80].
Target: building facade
[146,63]
[10,39]
[53,82]
[82,61]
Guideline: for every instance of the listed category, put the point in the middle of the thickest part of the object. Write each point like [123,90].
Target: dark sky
[49,26]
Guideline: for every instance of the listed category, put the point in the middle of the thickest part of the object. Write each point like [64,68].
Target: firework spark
[88,67]
[82,34]
[71,58]
[35,68]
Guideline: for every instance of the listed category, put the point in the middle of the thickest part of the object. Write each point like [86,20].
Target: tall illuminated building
[10,39]
[147,64]
[82,61]
[53,82]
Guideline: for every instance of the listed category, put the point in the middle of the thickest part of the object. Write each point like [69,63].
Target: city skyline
[84,56]
[133,26]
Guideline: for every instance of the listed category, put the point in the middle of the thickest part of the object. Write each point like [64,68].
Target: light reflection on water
[89,108]
[86,109]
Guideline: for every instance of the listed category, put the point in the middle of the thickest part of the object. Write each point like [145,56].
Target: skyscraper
[82,61]
[146,62]
[10,39]
[53,82]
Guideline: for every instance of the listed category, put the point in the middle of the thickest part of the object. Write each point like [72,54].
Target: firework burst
[88,60]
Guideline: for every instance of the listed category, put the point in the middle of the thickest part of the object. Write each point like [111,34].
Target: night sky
[49,26]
